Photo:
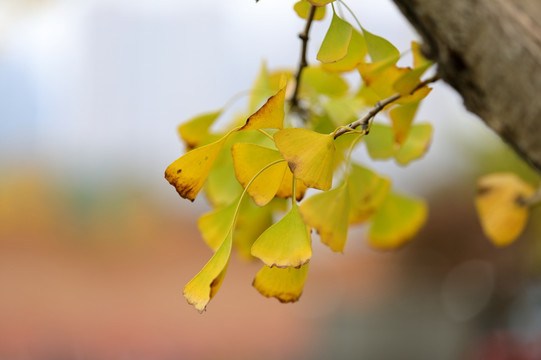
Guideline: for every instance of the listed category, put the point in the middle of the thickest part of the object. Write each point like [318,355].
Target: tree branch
[303,62]
[380,105]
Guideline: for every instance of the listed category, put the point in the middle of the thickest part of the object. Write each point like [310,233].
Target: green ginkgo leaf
[309,155]
[316,80]
[202,288]
[194,131]
[336,42]
[398,219]
[379,48]
[189,172]
[355,55]
[249,160]
[302,8]
[367,191]
[286,243]
[286,285]
[380,142]
[416,144]
[328,213]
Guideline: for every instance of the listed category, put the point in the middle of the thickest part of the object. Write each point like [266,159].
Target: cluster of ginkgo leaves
[256,174]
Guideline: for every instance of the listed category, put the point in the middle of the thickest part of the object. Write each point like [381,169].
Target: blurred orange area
[97,272]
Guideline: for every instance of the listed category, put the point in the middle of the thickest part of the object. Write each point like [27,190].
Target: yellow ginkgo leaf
[380,142]
[397,220]
[336,42]
[286,187]
[194,131]
[248,160]
[252,221]
[302,8]
[320,2]
[500,205]
[328,213]
[410,80]
[380,77]
[216,224]
[418,58]
[189,172]
[270,115]
[416,144]
[356,54]
[286,285]
[286,243]
[402,117]
[309,155]
[367,191]
[202,288]
[317,81]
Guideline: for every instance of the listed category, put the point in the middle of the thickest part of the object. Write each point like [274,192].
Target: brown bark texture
[490,52]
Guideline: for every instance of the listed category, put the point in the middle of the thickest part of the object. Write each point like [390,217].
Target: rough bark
[490,52]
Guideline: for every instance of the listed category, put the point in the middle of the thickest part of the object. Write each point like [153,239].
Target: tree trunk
[490,52]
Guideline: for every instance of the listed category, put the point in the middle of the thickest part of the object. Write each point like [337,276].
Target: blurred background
[95,246]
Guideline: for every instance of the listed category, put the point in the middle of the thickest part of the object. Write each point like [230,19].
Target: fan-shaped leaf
[379,48]
[302,8]
[249,159]
[397,220]
[194,131]
[270,115]
[328,213]
[309,155]
[500,206]
[284,284]
[216,224]
[415,145]
[355,55]
[286,243]
[367,191]
[321,82]
[380,142]
[286,187]
[336,42]
[402,117]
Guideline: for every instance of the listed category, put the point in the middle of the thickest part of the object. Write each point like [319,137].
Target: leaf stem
[294,191]
[266,134]
[303,62]
[380,105]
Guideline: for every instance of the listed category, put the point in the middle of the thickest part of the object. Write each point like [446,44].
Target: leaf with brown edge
[302,8]
[204,286]
[336,42]
[328,213]
[189,172]
[286,285]
[270,115]
[397,220]
[367,190]
[249,160]
[286,243]
[286,187]
[402,118]
[500,205]
[194,131]
[416,144]
[309,155]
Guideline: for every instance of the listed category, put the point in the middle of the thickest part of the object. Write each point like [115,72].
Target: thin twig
[380,105]
[302,63]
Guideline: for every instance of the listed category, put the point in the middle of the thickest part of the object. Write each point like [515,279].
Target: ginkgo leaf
[309,155]
[416,144]
[379,48]
[270,115]
[402,117]
[367,191]
[194,131]
[418,58]
[328,213]
[189,172]
[252,221]
[380,142]
[381,77]
[343,110]
[397,220]
[417,96]
[202,288]
[286,187]
[322,82]
[320,2]
[286,243]
[261,90]
[286,285]
[409,81]
[500,205]
[302,8]
[216,224]
[249,160]
[336,42]
[355,55]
